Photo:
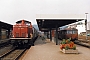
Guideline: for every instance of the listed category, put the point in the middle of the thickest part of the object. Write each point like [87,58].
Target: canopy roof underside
[51,21]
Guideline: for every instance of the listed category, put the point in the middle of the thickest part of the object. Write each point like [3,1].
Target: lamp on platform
[86,24]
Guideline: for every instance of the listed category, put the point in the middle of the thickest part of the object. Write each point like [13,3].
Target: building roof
[5,25]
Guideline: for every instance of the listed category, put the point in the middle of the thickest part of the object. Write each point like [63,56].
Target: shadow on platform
[40,41]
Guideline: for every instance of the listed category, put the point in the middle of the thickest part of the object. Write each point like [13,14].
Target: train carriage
[68,33]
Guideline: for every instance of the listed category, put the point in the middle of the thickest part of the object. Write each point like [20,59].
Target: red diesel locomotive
[23,34]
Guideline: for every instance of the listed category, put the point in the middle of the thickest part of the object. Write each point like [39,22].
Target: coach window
[67,32]
[75,32]
[70,32]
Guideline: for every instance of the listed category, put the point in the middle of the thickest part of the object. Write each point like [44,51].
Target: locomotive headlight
[26,35]
[13,35]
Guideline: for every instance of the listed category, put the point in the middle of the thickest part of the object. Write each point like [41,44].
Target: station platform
[46,50]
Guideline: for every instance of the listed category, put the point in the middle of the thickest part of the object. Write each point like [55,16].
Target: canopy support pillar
[50,35]
[56,35]
[0,33]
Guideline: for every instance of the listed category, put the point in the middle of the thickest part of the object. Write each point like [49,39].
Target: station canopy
[51,21]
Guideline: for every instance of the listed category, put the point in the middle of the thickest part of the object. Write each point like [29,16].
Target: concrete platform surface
[45,50]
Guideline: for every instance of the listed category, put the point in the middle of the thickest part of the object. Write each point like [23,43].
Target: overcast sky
[14,10]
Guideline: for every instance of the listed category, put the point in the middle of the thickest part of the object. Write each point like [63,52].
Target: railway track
[4,44]
[13,55]
[82,43]
[5,50]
